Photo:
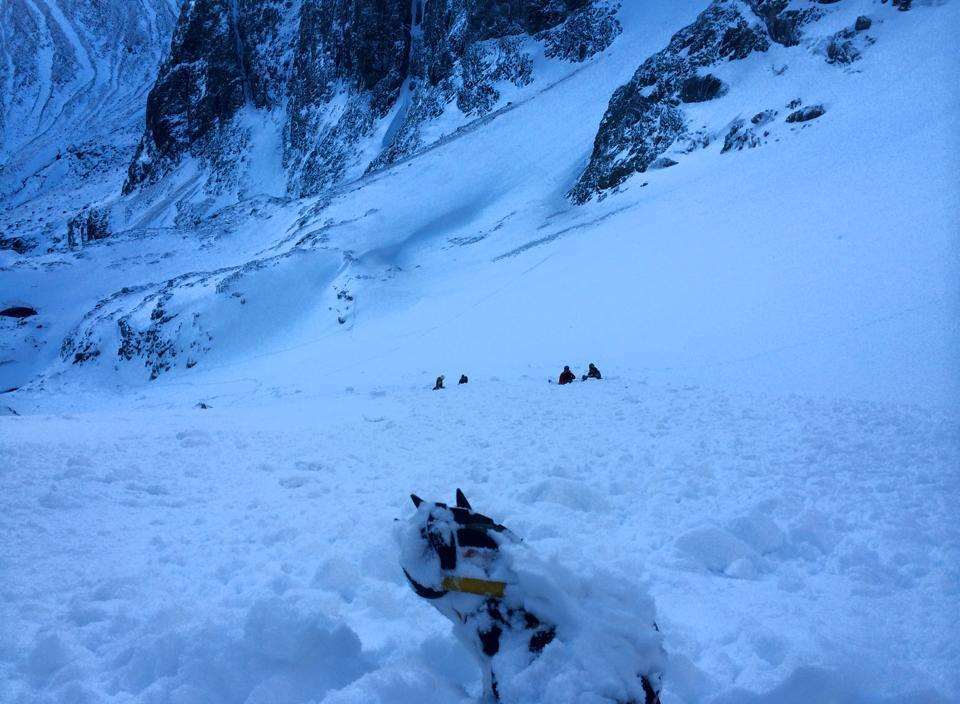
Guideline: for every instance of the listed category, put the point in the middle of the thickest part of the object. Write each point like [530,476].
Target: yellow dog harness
[468,585]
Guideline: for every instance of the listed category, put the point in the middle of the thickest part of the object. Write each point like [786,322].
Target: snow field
[797,550]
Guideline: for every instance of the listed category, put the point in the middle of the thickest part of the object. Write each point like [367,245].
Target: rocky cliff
[647,116]
[349,85]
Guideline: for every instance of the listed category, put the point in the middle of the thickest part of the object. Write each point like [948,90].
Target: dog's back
[463,563]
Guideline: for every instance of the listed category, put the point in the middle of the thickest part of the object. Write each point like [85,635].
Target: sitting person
[439,384]
[592,372]
[567,376]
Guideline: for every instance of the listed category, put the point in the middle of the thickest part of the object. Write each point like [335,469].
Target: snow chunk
[717,550]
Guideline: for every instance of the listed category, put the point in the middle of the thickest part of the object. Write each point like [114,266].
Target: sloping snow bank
[797,550]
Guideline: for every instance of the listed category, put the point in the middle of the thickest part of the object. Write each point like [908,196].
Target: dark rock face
[20,245]
[644,117]
[782,24]
[842,51]
[331,71]
[742,135]
[87,226]
[699,89]
[588,31]
[842,48]
[200,85]
[156,348]
[366,55]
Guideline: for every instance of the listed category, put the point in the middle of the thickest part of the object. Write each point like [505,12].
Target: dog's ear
[416,500]
[462,501]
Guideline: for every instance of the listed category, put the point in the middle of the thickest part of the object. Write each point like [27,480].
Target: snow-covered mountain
[240,239]
[466,138]
[75,75]
[340,88]
[479,136]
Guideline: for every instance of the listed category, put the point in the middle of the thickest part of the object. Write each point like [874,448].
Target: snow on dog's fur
[539,632]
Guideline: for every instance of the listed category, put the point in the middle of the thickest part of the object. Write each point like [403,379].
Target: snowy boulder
[841,49]
[740,136]
[810,112]
[663,162]
[763,117]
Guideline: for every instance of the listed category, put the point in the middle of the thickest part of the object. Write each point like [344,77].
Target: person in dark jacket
[592,372]
[439,384]
[567,376]
[463,379]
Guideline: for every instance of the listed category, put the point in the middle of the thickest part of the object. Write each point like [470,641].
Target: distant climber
[463,379]
[439,384]
[592,372]
[567,376]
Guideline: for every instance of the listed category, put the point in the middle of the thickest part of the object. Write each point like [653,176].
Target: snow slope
[797,550]
[773,455]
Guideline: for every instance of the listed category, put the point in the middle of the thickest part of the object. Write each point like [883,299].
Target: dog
[461,561]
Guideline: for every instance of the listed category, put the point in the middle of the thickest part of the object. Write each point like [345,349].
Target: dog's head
[443,541]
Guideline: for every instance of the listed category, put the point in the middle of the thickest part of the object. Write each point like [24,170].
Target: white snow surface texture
[771,458]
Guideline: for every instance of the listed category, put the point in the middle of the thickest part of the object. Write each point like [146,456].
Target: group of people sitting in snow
[566,377]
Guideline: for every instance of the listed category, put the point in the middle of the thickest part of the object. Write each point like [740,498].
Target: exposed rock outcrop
[20,245]
[200,86]
[349,84]
[87,226]
[805,114]
[645,117]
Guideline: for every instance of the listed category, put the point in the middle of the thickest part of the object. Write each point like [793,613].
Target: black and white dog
[464,563]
